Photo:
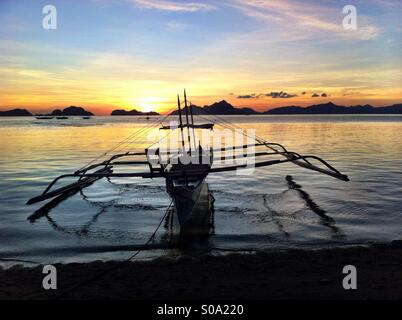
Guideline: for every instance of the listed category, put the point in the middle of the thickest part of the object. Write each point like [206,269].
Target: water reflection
[275,217]
[170,238]
[326,220]
[368,208]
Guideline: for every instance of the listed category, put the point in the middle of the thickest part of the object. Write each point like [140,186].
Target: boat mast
[188,124]
[181,123]
[192,121]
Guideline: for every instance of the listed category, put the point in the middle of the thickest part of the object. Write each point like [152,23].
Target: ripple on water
[264,210]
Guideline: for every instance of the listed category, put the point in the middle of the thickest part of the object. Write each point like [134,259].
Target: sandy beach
[292,274]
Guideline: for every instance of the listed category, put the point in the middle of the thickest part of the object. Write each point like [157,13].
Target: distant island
[133,113]
[219,108]
[16,113]
[225,108]
[70,111]
[331,108]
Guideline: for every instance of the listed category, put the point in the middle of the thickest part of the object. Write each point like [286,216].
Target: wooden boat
[185,170]
[192,200]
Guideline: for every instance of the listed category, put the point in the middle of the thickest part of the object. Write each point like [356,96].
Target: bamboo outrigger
[184,170]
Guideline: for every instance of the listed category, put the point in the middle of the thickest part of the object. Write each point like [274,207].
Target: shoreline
[264,275]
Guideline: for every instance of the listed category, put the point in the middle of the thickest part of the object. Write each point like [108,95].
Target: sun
[146,107]
[148,104]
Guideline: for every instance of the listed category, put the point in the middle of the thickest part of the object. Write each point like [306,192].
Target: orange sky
[140,54]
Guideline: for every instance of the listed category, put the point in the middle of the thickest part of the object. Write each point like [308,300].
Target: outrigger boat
[185,170]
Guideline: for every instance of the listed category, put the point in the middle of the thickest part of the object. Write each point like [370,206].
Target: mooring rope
[120,264]
[128,140]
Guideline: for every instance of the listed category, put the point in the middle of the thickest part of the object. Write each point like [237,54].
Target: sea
[272,208]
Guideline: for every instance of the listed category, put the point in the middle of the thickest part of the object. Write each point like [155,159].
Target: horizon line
[173,108]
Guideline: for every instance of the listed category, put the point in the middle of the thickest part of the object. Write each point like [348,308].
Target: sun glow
[147,104]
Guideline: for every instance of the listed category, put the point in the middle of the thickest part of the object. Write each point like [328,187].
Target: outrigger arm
[86,178]
[157,169]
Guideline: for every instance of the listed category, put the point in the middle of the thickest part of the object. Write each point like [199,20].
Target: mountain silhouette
[16,113]
[71,111]
[133,113]
[225,108]
[331,108]
[394,109]
[218,108]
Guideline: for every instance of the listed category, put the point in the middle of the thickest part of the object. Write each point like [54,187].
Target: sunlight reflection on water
[264,210]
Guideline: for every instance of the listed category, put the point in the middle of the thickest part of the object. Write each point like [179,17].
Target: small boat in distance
[62,118]
[184,168]
[86,117]
[43,117]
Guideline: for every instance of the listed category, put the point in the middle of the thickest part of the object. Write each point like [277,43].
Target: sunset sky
[137,54]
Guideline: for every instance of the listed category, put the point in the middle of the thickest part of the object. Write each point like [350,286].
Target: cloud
[322,95]
[281,95]
[349,92]
[247,96]
[172,5]
[274,95]
[307,16]
[176,26]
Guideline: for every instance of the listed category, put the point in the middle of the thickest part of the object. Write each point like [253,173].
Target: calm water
[110,219]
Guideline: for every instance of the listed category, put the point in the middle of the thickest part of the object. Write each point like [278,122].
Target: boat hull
[192,219]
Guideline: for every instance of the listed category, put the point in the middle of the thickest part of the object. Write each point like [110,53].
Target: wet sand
[292,274]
